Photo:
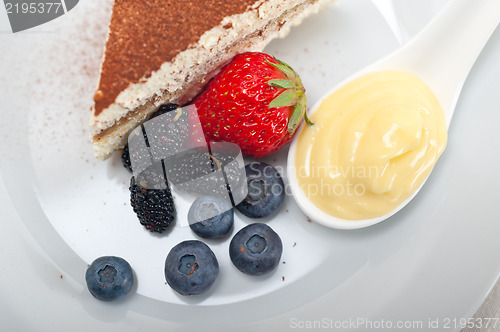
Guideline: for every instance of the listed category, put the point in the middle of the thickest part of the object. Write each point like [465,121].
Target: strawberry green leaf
[286,84]
[296,118]
[286,98]
[303,100]
[287,66]
[289,72]
[308,121]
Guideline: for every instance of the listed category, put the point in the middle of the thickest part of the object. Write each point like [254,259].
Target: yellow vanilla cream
[373,143]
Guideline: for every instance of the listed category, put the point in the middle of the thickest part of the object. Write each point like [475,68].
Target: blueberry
[266,191]
[211,216]
[256,249]
[191,268]
[109,278]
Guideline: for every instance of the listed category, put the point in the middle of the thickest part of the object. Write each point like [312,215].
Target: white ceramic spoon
[441,55]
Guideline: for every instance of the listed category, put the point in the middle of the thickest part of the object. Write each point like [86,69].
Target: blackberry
[167,133]
[215,173]
[167,130]
[191,171]
[154,207]
[165,108]
[126,159]
[228,156]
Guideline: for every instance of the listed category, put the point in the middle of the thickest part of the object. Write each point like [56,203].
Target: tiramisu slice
[162,51]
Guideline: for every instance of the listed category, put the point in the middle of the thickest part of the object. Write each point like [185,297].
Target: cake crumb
[61,276]
[309,219]
[283,278]
[294,244]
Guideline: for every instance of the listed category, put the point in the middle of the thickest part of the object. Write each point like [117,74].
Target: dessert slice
[161,51]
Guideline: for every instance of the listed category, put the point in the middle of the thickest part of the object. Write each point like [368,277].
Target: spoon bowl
[441,55]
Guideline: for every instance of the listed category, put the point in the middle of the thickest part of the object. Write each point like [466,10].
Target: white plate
[61,209]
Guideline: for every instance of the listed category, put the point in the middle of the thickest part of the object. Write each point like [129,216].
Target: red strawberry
[256,101]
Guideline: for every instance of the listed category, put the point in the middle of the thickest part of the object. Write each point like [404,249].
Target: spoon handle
[443,53]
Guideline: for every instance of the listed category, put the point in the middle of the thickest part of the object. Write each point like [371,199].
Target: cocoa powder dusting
[145,34]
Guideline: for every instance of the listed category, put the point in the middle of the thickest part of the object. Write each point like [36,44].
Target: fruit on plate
[266,191]
[152,200]
[255,101]
[109,278]
[211,216]
[256,249]
[194,171]
[191,268]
